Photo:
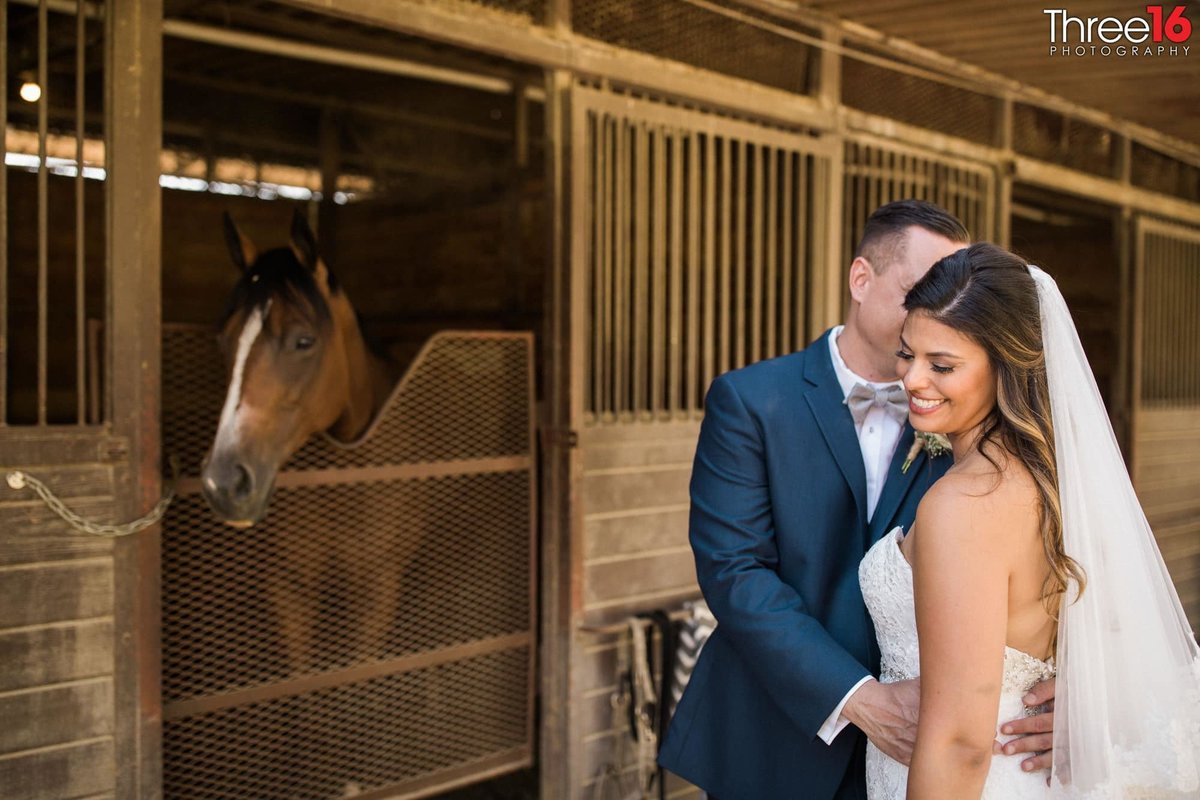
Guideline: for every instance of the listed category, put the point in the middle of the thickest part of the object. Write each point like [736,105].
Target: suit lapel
[835,423]
[897,484]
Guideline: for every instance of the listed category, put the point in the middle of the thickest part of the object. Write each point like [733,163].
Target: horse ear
[241,250]
[304,242]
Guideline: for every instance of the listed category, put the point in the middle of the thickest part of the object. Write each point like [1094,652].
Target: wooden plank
[65,481]
[627,535]
[635,489]
[55,592]
[639,576]
[54,773]
[56,715]
[639,432]
[32,532]
[652,452]
[55,654]
[29,448]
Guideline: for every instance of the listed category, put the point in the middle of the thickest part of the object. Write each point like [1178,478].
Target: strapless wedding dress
[887,587]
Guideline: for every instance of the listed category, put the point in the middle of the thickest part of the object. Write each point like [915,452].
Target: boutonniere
[934,443]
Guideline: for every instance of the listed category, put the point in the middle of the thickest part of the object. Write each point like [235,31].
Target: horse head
[296,365]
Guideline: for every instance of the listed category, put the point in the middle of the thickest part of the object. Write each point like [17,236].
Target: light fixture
[30,91]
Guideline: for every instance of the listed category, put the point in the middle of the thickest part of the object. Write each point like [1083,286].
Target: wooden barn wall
[635,555]
[56,618]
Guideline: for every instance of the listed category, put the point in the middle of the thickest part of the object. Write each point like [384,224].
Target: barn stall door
[1166,418]
[701,245]
[433,508]
[79,243]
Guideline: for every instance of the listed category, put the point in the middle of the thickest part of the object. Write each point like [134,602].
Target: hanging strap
[644,706]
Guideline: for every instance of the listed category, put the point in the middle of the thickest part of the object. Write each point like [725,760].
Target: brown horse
[298,365]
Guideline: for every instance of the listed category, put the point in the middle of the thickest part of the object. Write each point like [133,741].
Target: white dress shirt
[878,436]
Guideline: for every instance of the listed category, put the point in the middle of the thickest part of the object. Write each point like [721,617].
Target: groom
[797,472]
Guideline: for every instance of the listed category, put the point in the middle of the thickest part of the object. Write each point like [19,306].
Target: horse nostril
[244,483]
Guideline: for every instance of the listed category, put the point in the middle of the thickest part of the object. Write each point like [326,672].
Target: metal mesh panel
[740,43]
[1161,173]
[534,10]
[375,630]
[397,731]
[1171,320]
[1054,137]
[697,250]
[875,175]
[918,101]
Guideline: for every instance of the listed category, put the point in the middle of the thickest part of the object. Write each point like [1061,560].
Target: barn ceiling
[1012,39]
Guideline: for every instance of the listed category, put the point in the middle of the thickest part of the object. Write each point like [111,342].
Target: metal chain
[20,480]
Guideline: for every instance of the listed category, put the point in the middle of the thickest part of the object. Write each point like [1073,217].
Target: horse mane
[278,273]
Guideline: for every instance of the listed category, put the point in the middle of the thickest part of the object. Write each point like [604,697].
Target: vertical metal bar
[658,265]
[4,218]
[771,264]
[756,254]
[605,165]
[691,267]
[675,299]
[1192,354]
[739,260]
[787,258]
[622,379]
[80,231]
[710,263]
[591,247]
[726,256]
[853,200]
[802,254]
[874,159]
[641,268]
[43,213]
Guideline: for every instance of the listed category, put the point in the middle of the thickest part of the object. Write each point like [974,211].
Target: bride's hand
[887,714]
[1036,732]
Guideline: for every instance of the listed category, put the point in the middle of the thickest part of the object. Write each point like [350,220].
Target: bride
[1030,558]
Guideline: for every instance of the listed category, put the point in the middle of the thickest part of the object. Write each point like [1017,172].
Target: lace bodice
[887,588]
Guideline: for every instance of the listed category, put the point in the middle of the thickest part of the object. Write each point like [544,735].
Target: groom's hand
[1036,732]
[887,714]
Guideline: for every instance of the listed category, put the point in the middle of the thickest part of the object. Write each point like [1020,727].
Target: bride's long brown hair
[986,293]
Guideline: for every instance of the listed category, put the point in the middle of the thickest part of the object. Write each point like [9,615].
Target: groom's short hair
[883,236]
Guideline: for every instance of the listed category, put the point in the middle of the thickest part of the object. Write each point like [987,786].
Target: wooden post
[560,526]
[133,88]
[1004,174]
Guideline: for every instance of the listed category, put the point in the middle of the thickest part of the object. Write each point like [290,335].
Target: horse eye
[305,342]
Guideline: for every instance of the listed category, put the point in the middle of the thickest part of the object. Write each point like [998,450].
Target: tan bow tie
[891,399]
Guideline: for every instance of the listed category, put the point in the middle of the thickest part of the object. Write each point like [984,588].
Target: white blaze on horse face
[227,428]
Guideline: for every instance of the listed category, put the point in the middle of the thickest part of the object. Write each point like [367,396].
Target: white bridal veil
[1127,710]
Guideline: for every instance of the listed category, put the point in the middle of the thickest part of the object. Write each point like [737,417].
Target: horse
[298,365]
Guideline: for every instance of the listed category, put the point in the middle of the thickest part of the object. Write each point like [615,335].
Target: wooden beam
[1062,179]
[584,57]
[133,89]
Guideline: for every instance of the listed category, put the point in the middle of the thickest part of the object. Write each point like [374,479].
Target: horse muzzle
[236,490]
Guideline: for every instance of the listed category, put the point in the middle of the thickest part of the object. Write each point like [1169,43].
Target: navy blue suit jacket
[778,527]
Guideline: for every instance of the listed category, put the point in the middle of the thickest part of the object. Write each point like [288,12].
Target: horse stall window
[878,172]
[51,214]
[699,236]
[1166,436]
[1075,241]
[373,632]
